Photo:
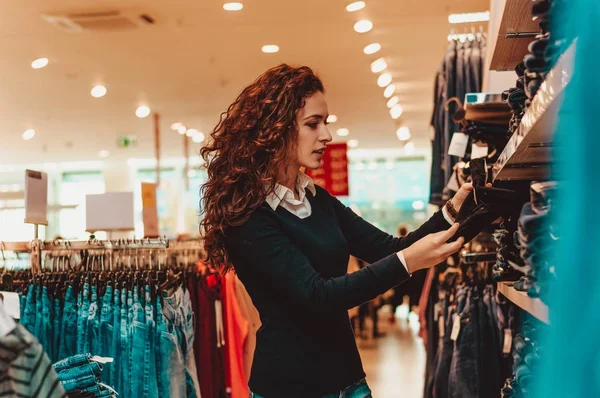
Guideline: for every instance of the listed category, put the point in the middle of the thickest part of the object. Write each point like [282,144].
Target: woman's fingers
[453,247]
[447,234]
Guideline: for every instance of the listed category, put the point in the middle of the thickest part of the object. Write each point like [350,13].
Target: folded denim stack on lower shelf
[80,376]
[526,353]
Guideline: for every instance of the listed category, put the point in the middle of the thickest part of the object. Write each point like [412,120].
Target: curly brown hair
[249,146]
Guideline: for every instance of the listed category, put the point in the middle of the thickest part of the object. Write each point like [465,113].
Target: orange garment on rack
[236,335]
[254,323]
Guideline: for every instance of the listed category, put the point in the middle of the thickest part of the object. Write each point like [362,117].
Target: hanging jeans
[170,363]
[359,389]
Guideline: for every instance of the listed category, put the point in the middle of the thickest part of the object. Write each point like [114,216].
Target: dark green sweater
[295,272]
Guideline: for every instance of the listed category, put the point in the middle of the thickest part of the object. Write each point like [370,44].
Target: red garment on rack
[423,304]
[237,333]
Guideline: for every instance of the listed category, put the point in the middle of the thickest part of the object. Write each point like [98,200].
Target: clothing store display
[80,375]
[25,370]
[359,389]
[291,272]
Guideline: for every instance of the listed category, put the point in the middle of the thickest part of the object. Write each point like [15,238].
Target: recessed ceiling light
[233,6]
[191,132]
[270,49]
[396,111]
[384,80]
[409,148]
[103,154]
[175,126]
[378,66]
[182,129]
[343,132]
[393,101]
[98,91]
[363,26]
[372,48]
[352,143]
[389,91]
[357,5]
[331,119]
[39,63]
[28,134]
[403,133]
[470,17]
[142,111]
[198,137]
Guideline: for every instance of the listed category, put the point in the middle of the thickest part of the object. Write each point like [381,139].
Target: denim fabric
[140,367]
[58,320]
[170,362]
[68,330]
[82,320]
[463,380]
[106,332]
[45,324]
[38,311]
[359,389]
[124,352]
[79,384]
[444,360]
[71,362]
[29,320]
[115,369]
[93,324]
[81,371]
[150,352]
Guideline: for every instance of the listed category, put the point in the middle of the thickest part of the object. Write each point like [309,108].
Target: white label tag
[479,151]
[442,327]
[458,145]
[507,341]
[12,304]
[436,311]
[102,360]
[455,327]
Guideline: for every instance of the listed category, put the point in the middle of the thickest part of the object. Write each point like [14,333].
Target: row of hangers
[472,35]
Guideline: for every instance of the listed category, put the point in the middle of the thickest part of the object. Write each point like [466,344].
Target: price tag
[36,197]
[442,326]
[458,145]
[479,151]
[436,311]
[507,341]
[455,327]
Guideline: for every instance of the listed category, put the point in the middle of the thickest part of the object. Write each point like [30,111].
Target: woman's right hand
[432,249]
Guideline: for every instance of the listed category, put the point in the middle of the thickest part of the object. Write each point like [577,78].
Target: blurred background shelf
[534,306]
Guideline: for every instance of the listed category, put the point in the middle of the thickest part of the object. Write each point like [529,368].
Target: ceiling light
[103,154]
[343,132]
[384,80]
[393,101]
[396,111]
[142,111]
[198,137]
[357,5]
[352,143]
[469,17]
[191,132]
[389,91]
[98,91]
[403,133]
[175,126]
[418,204]
[378,66]
[331,119]
[363,26]
[372,48]
[270,49]
[28,134]
[233,6]
[39,63]
[409,148]
[182,129]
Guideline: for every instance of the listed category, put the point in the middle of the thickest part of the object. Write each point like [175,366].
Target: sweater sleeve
[262,248]
[371,244]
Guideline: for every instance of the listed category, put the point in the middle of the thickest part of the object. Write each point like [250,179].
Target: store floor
[395,363]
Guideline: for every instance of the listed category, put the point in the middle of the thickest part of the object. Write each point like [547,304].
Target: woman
[289,240]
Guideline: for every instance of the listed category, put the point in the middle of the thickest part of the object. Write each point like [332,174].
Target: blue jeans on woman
[359,389]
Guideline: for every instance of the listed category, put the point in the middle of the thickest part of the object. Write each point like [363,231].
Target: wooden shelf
[516,31]
[534,306]
[528,154]
[487,108]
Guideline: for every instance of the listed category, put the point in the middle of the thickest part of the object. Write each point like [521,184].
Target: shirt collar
[280,193]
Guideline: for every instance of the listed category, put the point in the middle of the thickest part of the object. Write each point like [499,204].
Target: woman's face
[313,134]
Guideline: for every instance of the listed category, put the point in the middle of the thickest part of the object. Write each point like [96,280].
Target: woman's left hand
[462,194]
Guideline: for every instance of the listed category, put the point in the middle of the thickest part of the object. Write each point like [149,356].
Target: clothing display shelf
[482,106]
[527,155]
[515,32]
[534,306]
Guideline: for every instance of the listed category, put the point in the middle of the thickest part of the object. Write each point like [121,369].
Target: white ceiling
[193,62]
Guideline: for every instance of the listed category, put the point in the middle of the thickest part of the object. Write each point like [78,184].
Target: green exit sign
[126,141]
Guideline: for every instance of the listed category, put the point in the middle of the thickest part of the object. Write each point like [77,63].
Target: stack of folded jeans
[516,99]
[526,357]
[509,265]
[80,376]
[536,236]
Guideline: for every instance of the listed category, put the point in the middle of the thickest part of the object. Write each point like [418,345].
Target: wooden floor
[395,363]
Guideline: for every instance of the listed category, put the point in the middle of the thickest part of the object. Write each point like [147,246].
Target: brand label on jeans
[442,327]
[458,145]
[507,341]
[455,327]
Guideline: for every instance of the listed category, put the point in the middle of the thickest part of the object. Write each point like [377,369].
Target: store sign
[333,175]
[126,141]
[36,197]
[150,210]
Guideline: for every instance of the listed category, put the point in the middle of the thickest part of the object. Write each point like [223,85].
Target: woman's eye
[313,126]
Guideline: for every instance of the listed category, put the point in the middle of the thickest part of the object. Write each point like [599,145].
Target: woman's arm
[260,247]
